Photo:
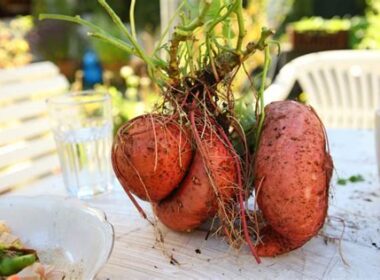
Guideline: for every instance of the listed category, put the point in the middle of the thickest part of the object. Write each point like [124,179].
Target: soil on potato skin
[292,175]
[211,177]
[151,156]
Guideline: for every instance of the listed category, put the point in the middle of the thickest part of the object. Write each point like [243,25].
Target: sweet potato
[292,173]
[196,199]
[151,155]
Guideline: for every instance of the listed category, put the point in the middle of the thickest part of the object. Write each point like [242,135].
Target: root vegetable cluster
[183,157]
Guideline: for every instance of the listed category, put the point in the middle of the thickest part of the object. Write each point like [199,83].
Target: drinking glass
[82,126]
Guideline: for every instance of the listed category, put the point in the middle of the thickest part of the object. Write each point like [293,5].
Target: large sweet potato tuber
[292,174]
[212,176]
[151,155]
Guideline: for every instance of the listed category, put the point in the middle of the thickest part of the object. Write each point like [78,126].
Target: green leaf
[352,179]
[356,179]
[342,182]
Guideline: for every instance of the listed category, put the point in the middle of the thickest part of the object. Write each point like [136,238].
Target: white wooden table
[137,255]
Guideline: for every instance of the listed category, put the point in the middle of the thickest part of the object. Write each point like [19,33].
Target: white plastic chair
[27,148]
[343,86]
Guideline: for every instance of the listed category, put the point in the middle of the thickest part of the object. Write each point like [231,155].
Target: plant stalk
[267,62]
[240,19]
[198,21]
[132,19]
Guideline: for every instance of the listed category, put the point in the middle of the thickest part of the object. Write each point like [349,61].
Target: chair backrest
[343,86]
[27,148]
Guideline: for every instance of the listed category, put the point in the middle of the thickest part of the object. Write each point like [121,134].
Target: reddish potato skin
[134,156]
[292,175]
[195,200]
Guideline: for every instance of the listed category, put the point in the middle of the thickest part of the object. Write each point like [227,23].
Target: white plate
[65,232]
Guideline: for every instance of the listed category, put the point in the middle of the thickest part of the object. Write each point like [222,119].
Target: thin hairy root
[241,199]
[223,200]
[340,238]
[208,186]
[131,197]
[244,221]
[256,221]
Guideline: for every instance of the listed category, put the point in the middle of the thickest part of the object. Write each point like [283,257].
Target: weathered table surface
[354,207]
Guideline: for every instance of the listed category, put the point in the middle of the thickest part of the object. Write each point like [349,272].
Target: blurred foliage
[277,11]
[53,6]
[53,40]
[14,48]
[358,30]
[57,40]
[371,38]
[318,24]
[322,8]
[356,26]
[107,53]
[363,31]
[147,13]
[138,98]
[301,8]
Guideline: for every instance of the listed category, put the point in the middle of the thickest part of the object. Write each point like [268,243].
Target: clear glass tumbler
[82,126]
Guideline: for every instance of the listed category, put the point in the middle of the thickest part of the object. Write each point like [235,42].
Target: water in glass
[82,127]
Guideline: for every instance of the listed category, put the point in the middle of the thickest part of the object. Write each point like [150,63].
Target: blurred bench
[27,148]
